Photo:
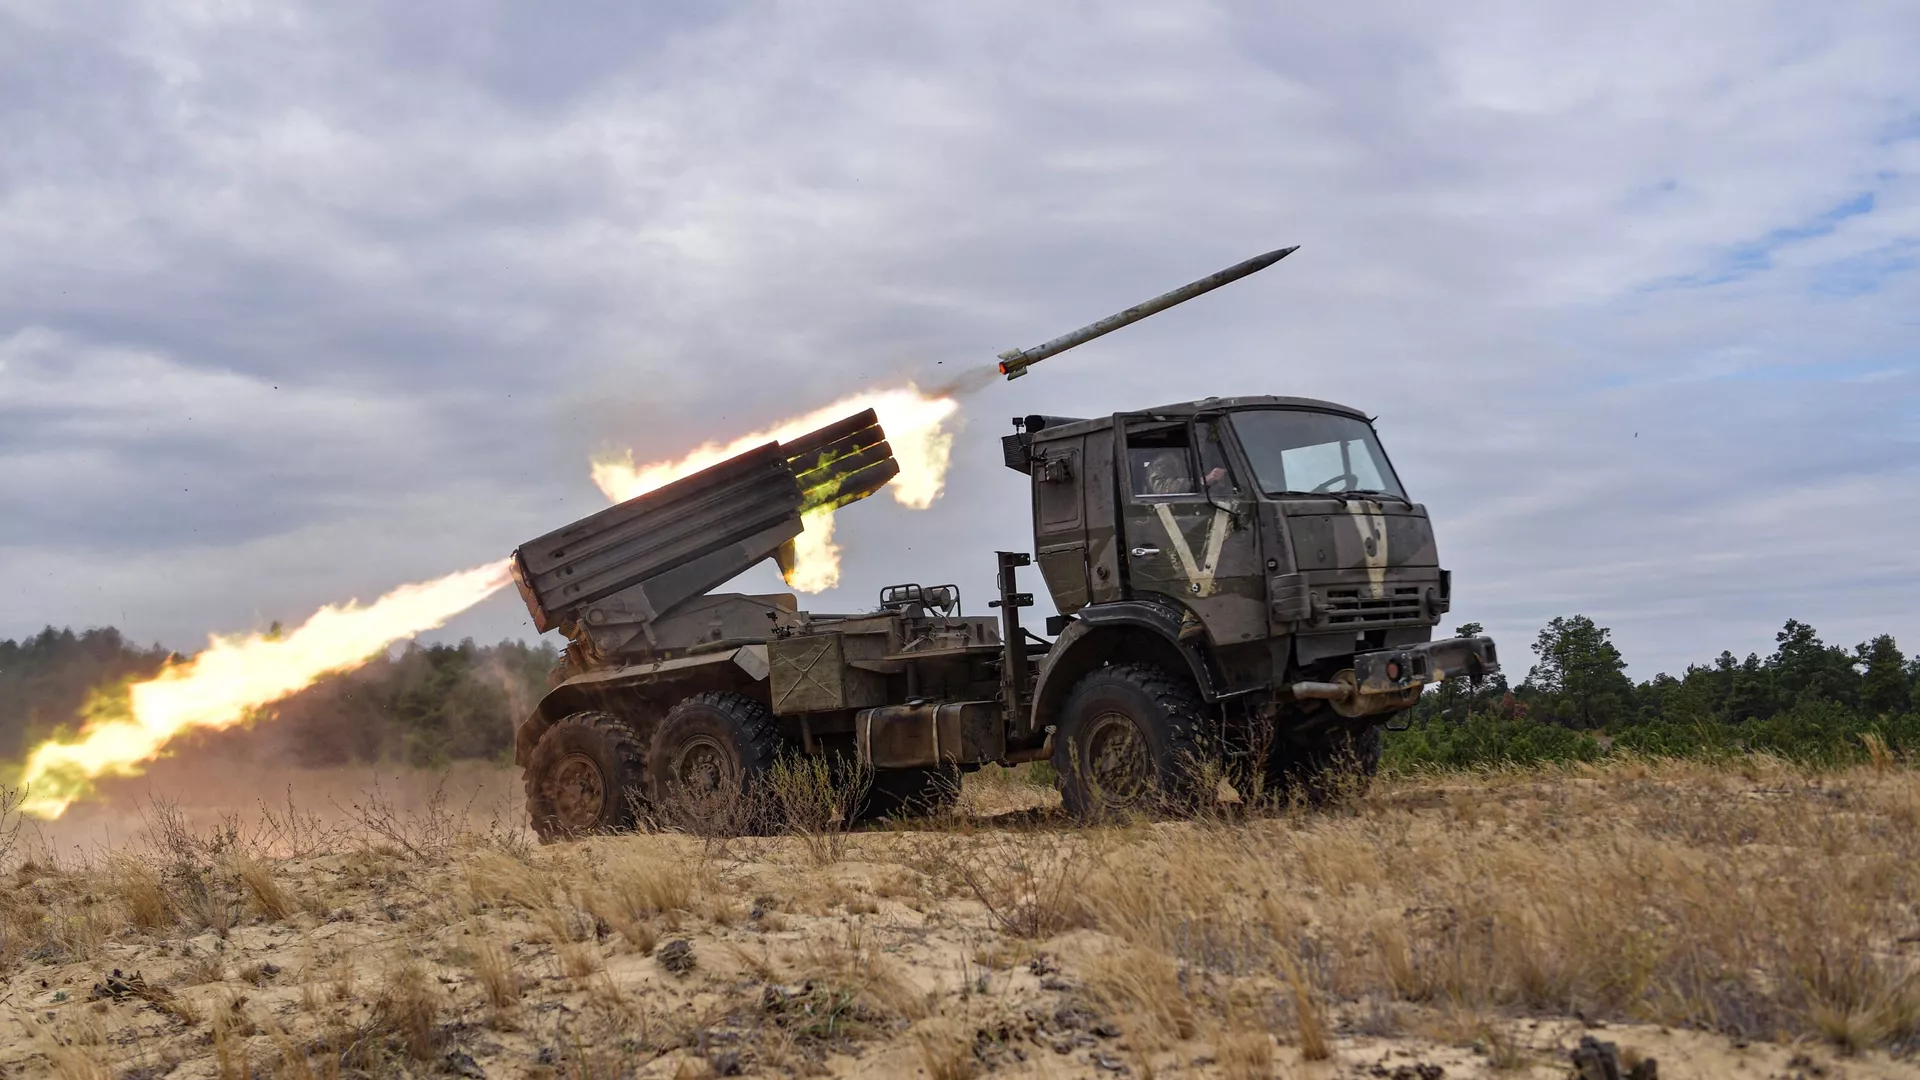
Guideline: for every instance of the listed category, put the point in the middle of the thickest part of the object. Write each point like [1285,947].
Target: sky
[299,302]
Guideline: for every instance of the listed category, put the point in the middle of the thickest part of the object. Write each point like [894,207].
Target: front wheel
[1128,743]
[584,777]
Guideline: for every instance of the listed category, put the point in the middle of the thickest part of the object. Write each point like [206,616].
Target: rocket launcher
[634,563]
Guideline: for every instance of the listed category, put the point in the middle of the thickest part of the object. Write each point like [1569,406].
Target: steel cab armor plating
[1271,530]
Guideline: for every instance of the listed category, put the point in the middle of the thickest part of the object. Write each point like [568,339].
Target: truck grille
[1349,607]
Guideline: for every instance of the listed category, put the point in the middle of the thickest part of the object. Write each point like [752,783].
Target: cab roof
[1049,427]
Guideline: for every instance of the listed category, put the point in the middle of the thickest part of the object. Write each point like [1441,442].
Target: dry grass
[264,890]
[646,883]
[815,804]
[579,961]
[498,978]
[1146,988]
[638,891]
[144,896]
[11,821]
[494,878]
[945,1048]
[74,1057]
[1030,885]
[1310,1018]
[853,972]
[1674,893]
[1453,915]
[408,1009]
[1245,1054]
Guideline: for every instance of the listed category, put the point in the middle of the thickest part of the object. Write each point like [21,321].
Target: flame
[816,558]
[233,676]
[916,424]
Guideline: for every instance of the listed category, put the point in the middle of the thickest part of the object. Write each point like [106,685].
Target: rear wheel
[1128,742]
[1334,765]
[584,777]
[707,760]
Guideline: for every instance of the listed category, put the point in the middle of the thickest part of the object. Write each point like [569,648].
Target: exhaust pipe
[1322,691]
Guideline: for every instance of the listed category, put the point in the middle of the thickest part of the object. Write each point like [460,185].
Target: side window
[1160,461]
[1057,485]
[1215,474]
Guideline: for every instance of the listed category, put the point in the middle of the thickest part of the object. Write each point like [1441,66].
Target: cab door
[1059,520]
[1189,525]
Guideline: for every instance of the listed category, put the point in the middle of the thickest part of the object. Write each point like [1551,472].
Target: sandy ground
[435,941]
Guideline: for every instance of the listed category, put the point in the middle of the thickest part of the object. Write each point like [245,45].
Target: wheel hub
[1117,767]
[703,766]
[579,791]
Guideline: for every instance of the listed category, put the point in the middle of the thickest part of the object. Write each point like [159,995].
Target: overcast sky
[298,303]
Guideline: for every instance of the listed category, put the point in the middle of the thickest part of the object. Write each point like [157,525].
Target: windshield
[1323,453]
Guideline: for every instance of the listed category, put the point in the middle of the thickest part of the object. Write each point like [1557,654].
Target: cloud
[471,245]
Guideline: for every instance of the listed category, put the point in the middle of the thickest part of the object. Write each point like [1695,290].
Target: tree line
[1807,700]
[426,705]
[420,705]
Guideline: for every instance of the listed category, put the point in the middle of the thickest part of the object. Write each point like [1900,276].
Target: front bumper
[1390,680]
[1394,671]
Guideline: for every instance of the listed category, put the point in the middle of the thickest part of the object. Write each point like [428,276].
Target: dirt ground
[1751,920]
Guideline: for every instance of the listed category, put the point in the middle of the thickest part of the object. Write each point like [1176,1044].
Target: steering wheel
[1326,486]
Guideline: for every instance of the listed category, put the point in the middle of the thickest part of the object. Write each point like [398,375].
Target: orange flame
[233,676]
[916,424]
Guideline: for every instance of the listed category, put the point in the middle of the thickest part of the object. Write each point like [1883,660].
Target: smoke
[971,381]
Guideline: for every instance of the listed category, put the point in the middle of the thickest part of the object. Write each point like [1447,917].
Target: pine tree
[1750,694]
[1806,669]
[1580,675]
[1885,686]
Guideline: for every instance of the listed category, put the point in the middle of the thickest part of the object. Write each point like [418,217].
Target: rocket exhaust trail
[123,729]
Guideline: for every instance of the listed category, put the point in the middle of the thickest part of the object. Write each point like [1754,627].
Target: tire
[901,793]
[1128,743]
[707,761]
[584,777]
[1337,764]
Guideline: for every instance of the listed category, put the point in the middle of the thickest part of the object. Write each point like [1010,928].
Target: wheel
[1335,764]
[894,793]
[584,777]
[707,759]
[1128,742]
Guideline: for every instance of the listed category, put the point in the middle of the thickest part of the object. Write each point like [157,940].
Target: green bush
[1817,733]
[1485,738]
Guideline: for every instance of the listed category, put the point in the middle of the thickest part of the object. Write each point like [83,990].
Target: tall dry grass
[816,802]
[1751,903]
[11,819]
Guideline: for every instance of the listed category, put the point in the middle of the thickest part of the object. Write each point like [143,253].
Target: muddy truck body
[1244,590]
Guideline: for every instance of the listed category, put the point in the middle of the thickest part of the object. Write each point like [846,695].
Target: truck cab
[1261,547]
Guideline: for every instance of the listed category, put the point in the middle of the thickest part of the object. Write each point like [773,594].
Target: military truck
[1240,582]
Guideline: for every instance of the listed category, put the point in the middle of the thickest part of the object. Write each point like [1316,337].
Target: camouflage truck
[1240,582]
